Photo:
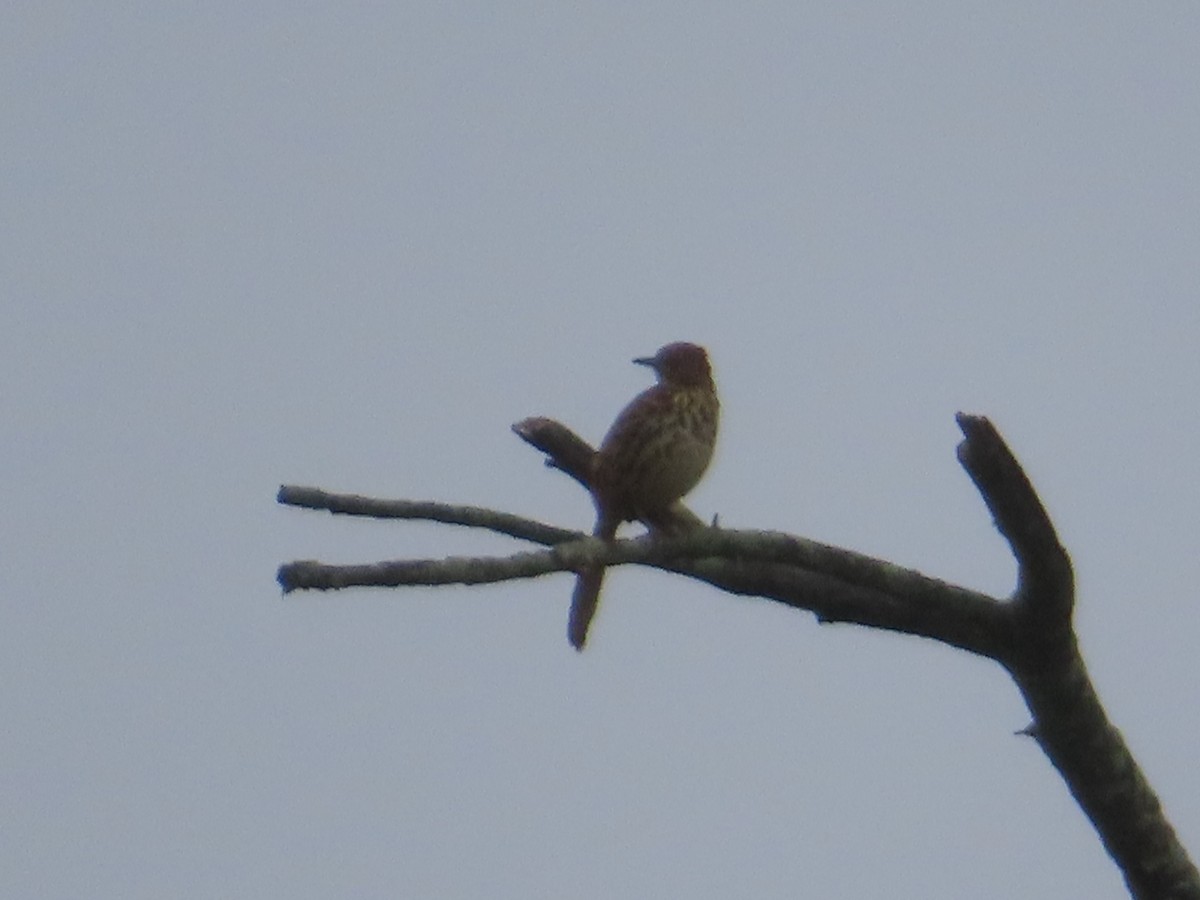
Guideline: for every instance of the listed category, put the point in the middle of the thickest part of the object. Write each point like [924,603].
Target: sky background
[348,245]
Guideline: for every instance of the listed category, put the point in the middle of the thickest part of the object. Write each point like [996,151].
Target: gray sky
[246,244]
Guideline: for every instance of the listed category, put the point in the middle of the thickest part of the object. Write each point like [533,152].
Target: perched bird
[654,453]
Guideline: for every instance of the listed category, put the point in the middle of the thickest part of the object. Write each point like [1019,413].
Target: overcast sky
[250,244]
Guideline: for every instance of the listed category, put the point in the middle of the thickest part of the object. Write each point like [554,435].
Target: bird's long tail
[587,591]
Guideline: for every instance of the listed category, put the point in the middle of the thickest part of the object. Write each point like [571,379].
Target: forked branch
[1031,634]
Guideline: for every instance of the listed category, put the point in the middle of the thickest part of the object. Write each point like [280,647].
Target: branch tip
[564,449]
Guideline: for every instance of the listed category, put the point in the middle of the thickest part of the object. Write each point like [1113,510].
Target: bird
[656,451]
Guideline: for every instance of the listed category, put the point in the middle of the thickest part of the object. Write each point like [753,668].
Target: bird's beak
[645,361]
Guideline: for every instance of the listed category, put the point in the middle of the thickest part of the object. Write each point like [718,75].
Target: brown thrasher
[654,453]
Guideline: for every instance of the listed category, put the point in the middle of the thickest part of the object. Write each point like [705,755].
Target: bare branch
[566,451]
[426,510]
[1069,721]
[1044,567]
[1032,636]
[838,585]
[313,575]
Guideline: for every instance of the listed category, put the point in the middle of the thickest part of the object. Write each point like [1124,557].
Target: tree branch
[1031,635]
[1069,721]
[837,585]
[425,510]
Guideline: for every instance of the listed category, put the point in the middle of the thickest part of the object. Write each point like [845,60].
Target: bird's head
[680,364]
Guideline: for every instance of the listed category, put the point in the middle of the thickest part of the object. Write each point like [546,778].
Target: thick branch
[1069,721]
[1044,567]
